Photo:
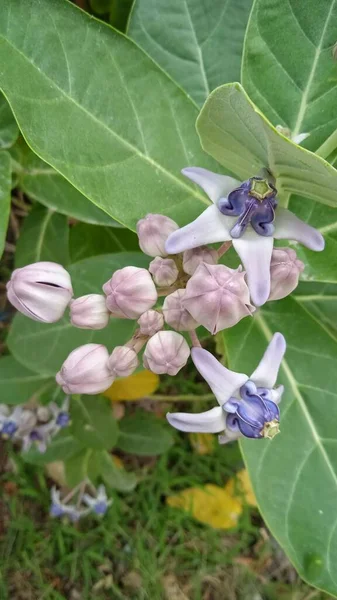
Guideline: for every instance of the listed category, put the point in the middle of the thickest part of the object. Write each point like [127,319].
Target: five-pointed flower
[246,214]
[248,405]
[98,504]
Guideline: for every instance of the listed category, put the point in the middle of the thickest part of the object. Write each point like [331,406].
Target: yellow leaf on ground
[133,387]
[117,461]
[240,487]
[209,504]
[202,443]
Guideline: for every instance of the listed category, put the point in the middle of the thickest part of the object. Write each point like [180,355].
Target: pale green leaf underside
[288,67]
[121,143]
[43,347]
[236,134]
[198,42]
[18,384]
[44,236]
[295,475]
[5,196]
[40,182]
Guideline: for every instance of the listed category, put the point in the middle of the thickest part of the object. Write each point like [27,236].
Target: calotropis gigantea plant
[118,148]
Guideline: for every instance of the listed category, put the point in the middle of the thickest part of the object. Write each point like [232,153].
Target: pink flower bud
[86,370]
[285,269]
[123,361]
[41,291]
[194,257]
[130,292]
[164,271]
[89,312]
[217,297]
[151,322]
[153,232]
[166,352]
[175,314]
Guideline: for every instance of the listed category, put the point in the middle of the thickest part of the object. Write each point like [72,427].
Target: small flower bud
[217,297]
[89,312]
[123,361]
[43,414]
[285,269]
[41,291]
[130,292]
[150,322]
[166,352]
[153,232]
[86,370]
[175,314]
[164,271]
[194,257]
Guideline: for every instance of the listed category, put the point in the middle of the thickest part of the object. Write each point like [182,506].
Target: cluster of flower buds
[33,427]
[185,270]
[96,502]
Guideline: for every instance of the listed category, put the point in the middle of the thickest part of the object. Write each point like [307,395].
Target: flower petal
[211,421]
[223,382]
[216,186]
[255,252]
[290,227]
[210,227]
[265,374]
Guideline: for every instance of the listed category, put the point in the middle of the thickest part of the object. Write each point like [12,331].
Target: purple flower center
[56,510]
[100,507]
[63,419]
[255,415]
[254,202]
[8,429]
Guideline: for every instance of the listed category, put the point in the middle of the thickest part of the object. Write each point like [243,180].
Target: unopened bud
[41,291]
[194,257]
[166,352]
[130,292]
[164,271]
[175,314]
[43,414]
[150,322]
[86,370]
[285,270]
[27,420]
[217,297]
[89,312]
[123,361]
[153,232]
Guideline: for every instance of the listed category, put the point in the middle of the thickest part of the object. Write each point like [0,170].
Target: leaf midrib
[135,150]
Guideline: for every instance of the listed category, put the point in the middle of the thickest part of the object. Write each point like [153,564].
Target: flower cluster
[197,290]
[96,502]
[33,427]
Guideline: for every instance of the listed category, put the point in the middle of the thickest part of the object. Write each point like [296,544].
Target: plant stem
[194,339]
[181,398]
[223,248]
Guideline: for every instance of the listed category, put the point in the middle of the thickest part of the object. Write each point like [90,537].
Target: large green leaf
[198,42]
[122,144]
[9,130]
[89,240]
[288,67]
[62,447]
[44,236]
[114,476]
[18,384]
[234,132]
[39,181]
[43,347]
[295,475]
[143,434]
[5,196]
[93,423]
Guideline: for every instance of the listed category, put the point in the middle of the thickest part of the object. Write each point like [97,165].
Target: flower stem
[223,248]
[181,398]
[194,339]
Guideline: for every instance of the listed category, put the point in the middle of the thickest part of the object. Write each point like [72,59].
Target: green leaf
[43,347]
[62,447]
[39,181]
[295,475]
[18,384]
[288,67]
[198,44]
[9,130]
[124,149]
[144,435]
[100,7]
[76,467]
[5,196]
[91,240]
[93,423]
[44,236]
[234,132]
[114,476]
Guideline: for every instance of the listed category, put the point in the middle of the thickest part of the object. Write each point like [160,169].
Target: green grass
[142,549]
